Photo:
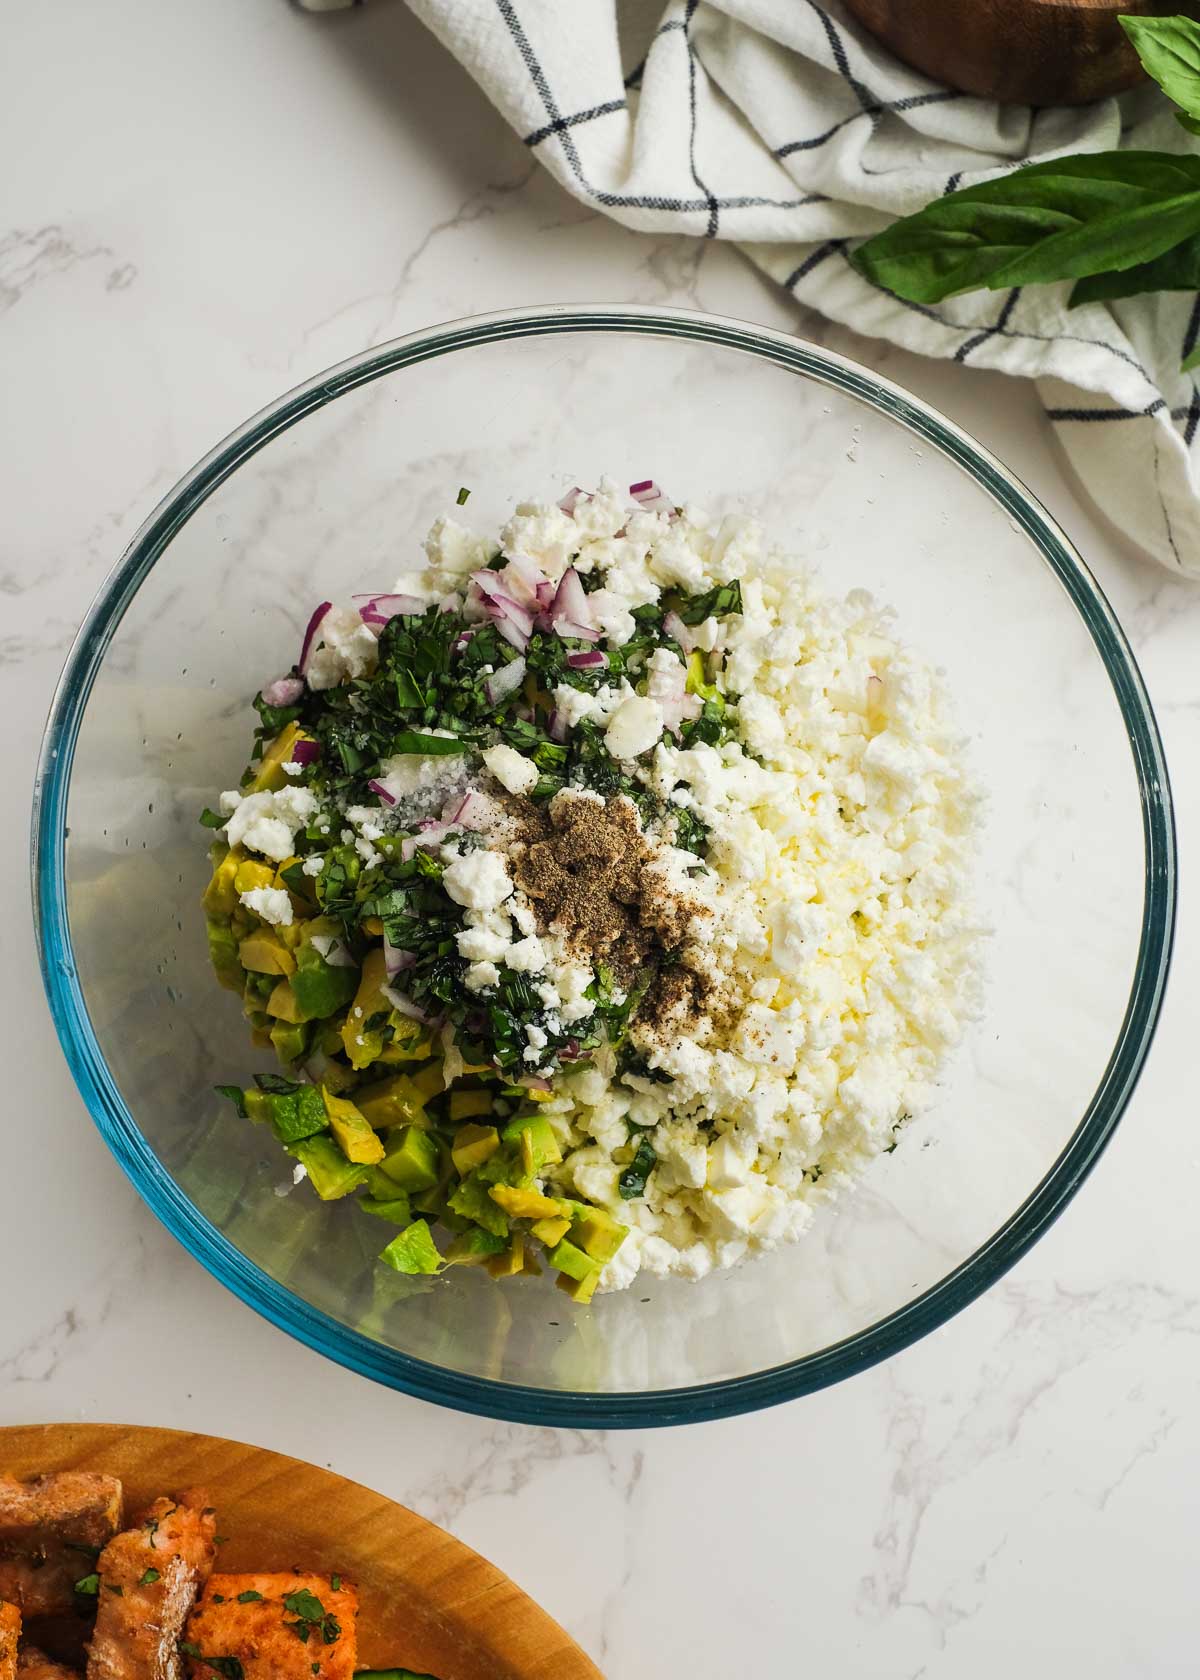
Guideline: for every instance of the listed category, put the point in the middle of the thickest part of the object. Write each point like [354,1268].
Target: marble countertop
[210,204]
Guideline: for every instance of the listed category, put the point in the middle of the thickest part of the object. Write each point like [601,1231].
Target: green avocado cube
[320,988]
[358,1142]
[293,1115]
[290,1041]
[329,1172]
[412,1161]
[534,1136]
[474,1246]
[413,1251]
[396,1208]
[472,1200]
[223,952]
[565,1257]
[596,1232]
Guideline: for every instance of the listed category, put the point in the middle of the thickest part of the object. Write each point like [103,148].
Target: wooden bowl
[1032,52]
[429,1603]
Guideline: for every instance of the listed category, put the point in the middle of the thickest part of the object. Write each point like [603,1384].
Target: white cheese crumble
[268,822]
[635,726]
[273,904]
[511,769]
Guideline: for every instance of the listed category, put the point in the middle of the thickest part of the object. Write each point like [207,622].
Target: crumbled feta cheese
[273,904]
[635,727]
[267,822]
[482,976]
[343,647]
[479,879]
[511,769]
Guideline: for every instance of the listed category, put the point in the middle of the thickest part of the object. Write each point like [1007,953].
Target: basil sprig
[1117,223]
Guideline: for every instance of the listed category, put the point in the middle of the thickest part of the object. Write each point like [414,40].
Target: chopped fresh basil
[235,1095]
[89,1586]
[212,819]
[250,1597]
[150,1578]
[632,1182]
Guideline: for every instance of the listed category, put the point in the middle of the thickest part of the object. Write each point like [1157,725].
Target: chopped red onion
[591,659]
[575,632]
[462,641]
[395,958]
[545,593]
[523,581]
[648,495]
[567,504]
[404,1005]
[471,811]
[284,691]
[557,726]
[570,1050]
[329,946]
[431,832]
[682,633]
[314,624]
[379,788]
[378,609]
[570,599]
[306,752]
[534,1082]
[505,681]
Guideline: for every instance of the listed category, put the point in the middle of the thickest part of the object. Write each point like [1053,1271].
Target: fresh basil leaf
[1192,124]
[235,1095]
[1169,48]
[1060,220]
[410,741]
[1177,270]
[212,819]
[632,1183]
[1189,362]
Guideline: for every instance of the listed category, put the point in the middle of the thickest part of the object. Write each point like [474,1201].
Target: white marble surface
[203,205]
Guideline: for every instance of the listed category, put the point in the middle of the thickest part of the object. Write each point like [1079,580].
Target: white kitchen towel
[784,126]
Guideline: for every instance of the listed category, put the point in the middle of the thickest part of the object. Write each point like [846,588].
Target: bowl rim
[523,1403]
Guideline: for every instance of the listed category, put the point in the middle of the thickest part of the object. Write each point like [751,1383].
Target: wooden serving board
[429,1603]
[1033,52]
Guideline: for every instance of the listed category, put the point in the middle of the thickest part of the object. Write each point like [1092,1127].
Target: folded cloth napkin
[784,126]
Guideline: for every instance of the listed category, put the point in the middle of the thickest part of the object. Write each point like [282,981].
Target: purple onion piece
[314,625]
[377,787]
[505,681]
[284,691]
[676,628]
[306,752]
[590,659]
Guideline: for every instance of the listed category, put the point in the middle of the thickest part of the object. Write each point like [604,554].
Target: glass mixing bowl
[329,492]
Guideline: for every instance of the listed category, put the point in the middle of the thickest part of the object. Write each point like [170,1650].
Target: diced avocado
[321,988]
[580,1290]
[355,1137]
[472,1200]
[597,1233]
[511,1261]
[551,1231]
[336,1074]
[429,1081]
[284,1005]
[534,1136]
[565,1257]
[270,776]
[252,873]
[412,1161]
[263,952]
[524,1204]
[372,925]
[292,1115]
[290,1039]
[331,1175]
[465,1105]
[362,1045]
[291,934]
[413,1250]
[395,1208]
[220,896]
[395,1101]
[380,1186]
[257,1104]
[475,1246]
[223,950]
[472,1146]
[410,1040]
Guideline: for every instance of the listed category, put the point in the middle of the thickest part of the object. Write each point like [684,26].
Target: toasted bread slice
[10,1638]
[51,1531]
[33,1664]
[276,1627]
[149,1578]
